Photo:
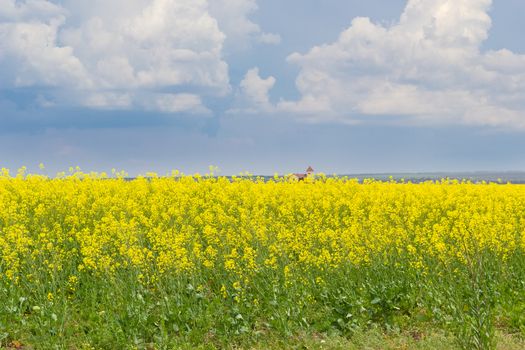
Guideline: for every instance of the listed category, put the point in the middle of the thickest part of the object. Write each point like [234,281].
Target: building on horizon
[301,177]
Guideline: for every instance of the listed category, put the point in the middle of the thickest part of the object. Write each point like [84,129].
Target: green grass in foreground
[373,339]
[376,339]
[377,307]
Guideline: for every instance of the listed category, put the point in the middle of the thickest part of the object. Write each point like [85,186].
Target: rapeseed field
[95,262]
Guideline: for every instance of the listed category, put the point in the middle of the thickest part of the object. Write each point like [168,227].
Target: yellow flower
[237,285]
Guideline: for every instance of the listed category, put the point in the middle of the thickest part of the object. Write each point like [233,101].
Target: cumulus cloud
[254,91]
[123,53]
[428,68]
[173,103]
[253,94]
[166,43]
[270,38]
[234,21]
[29,53]
[11,10]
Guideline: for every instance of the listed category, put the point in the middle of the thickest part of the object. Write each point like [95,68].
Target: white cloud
[168,43]
[233,19]
[123,53]
[29,53]
[428,68]
[254,92]
[174,103]
[12,10]
[105,100]
[270,38]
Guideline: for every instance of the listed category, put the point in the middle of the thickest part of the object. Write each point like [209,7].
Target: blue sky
[263,86]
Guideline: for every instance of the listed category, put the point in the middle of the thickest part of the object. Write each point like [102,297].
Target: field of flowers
[90,262]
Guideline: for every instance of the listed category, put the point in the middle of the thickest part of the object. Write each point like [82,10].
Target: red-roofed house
[301,177]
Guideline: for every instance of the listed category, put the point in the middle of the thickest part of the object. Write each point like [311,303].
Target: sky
[346,86]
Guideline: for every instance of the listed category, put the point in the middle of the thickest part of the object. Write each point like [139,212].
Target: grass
[373,339]
[376,307]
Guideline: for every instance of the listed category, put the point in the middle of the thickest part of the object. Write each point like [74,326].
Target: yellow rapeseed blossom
[240,227]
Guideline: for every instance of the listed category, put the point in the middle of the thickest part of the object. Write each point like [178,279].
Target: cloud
[426,68]
[160,54]
[253,94]
[233,20]
[28,51]
[162,45]
[174,103]
[111,100]
[11,10]
[270,38]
